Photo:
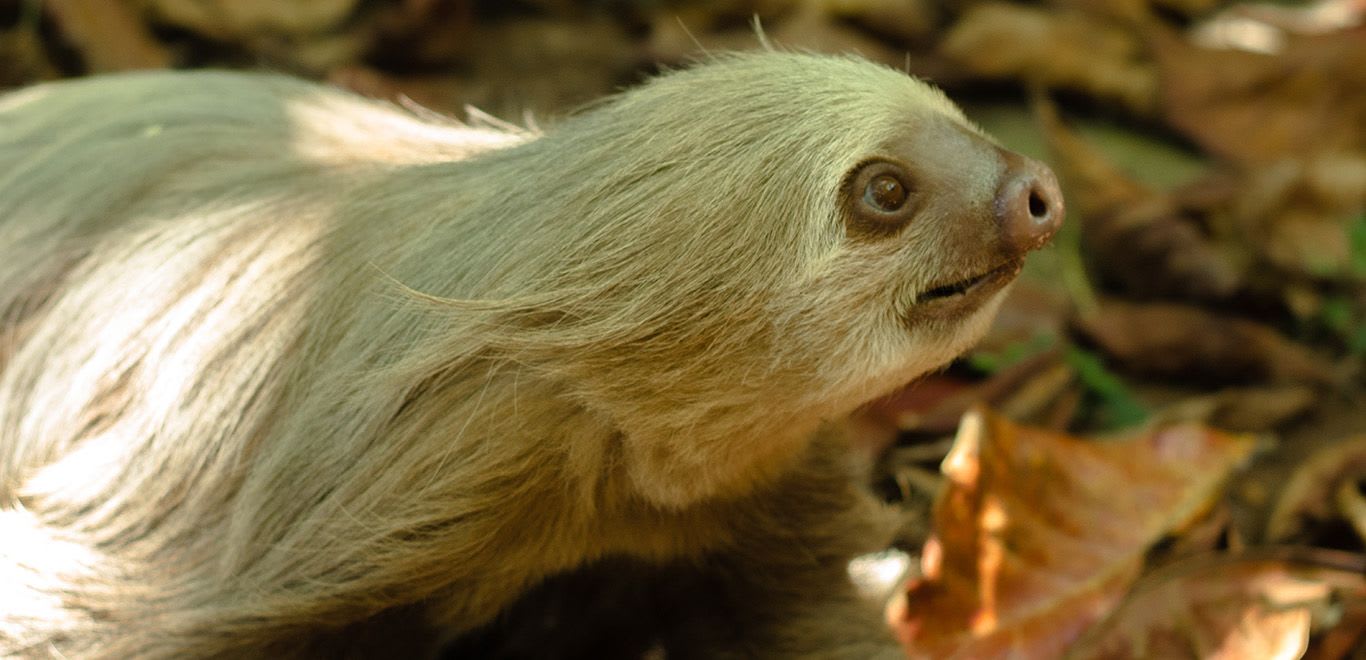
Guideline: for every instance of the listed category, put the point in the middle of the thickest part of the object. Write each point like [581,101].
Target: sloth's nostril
[1028,204]
[1037,207]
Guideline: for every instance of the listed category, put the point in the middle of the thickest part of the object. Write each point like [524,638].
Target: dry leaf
[1193,344]
[1138,11]
[1033,308]
[1067,50]
[718,27]
[906,21]
[244,20]
[1309,96]
[1344,639]
[22,58]
[1296,212]
[429,35]
[1147,243]
[1096,186]
[941,414]
[1245,409]
[1352,504]
[876,427]
[108,35]
[546,66]
[1315,17]
[1310,493]
[1222,608]
[1206,534]
[1038,534]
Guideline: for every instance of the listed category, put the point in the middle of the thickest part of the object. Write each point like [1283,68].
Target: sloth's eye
[885,193]
[880,199]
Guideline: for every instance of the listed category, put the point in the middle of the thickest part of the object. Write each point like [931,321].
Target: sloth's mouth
[952,289]
[969,287]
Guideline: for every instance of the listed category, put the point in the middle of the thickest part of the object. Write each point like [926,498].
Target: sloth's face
[952,229]
[937,220]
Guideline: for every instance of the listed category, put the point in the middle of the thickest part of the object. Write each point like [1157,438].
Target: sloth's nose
[1028,204]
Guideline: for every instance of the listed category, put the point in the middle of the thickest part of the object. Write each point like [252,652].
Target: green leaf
[1342,317]
[1357,234]
[991,362]
[1119,407]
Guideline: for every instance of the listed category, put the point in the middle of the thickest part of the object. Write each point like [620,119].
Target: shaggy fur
[284,371]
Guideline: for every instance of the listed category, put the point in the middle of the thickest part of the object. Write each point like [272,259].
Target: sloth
[290,372]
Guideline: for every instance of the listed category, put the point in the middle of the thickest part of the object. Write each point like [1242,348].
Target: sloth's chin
[952,316]
[956,299]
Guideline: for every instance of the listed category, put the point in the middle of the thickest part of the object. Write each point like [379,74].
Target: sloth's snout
[1028,204]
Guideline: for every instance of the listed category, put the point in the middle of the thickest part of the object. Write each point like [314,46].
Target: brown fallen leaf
[1140,10]
[1346,639]
[1145,242]
[1189,343]
[108,34]
[1314,17]
[1245,409]
[876,427]
[1310,495]
[308,36]
[23,59]
[941,414]
[242,20]
[1296,212]
[1213,238]
[1095,185]
[1229,608]
[429,35]
[1187,8]
[712,27]
[547,66]
[906,21]
[1207,533]
[1072,50]
[1351,502]
[1038,534]
[1306,97]
[1035,307]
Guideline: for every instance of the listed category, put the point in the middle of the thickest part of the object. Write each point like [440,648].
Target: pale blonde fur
[278,361]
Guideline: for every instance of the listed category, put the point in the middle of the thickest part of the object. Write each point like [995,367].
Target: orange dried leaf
[1038,534]
[1227,608]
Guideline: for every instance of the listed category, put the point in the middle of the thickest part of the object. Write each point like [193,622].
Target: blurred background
[1213,155]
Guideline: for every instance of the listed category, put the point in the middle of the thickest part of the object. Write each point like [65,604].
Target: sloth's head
[744,248]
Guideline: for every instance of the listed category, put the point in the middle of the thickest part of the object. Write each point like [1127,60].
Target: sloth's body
[287,371]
